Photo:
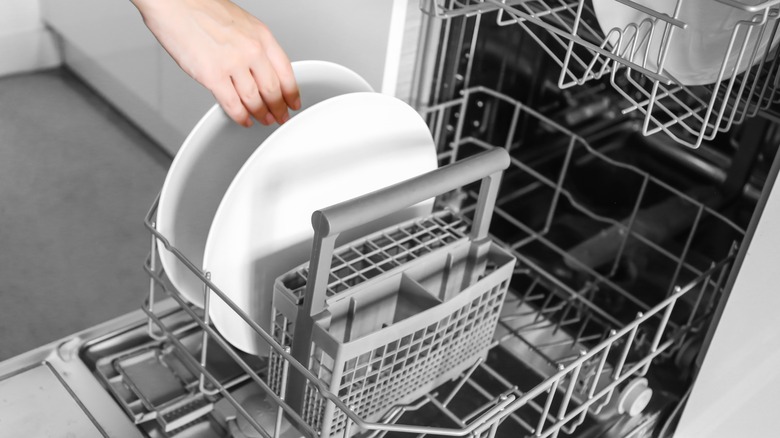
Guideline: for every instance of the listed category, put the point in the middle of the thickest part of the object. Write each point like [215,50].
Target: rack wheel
[635,397]
[264,413]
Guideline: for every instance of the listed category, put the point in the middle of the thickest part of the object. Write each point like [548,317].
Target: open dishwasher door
[50,391]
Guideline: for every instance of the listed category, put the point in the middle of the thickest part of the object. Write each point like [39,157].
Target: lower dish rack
[570,341]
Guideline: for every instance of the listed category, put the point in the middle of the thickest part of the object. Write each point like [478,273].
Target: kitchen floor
[76,181]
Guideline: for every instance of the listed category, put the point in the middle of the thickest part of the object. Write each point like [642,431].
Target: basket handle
[329,222]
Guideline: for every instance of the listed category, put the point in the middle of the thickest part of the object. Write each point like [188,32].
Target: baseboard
[26,51]
[139,111]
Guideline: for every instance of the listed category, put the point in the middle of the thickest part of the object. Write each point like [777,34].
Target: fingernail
[269,119]
[297,104]
[248,123]
[285,117]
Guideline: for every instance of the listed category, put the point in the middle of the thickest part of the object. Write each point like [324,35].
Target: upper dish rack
[689,114]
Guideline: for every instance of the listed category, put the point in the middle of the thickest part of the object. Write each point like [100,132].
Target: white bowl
[695,54]
[209,159]
[334,151]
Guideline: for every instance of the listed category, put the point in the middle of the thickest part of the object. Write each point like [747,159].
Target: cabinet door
[107,43]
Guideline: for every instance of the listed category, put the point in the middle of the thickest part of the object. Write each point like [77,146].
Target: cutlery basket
[398,313]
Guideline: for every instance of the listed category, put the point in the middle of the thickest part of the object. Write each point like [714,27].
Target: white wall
[25,44]
[135,74]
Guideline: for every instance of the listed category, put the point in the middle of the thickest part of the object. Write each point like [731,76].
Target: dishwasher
[611,229]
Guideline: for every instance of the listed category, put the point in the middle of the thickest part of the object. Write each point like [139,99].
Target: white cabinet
[182,101]
[350,32]
[107,44]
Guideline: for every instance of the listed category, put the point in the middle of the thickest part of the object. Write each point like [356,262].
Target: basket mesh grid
[355,264]
[378,379]
[282,332]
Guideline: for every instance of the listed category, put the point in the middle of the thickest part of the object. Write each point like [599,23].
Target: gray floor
[76,180]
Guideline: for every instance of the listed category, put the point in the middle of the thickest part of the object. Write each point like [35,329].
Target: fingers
[246,87]
[270,90]
[258,93]
[260,84]
[227,97]
[283,69]
[262,81]
[228,51]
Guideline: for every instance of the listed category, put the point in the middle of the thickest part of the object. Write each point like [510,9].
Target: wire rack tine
[152,261]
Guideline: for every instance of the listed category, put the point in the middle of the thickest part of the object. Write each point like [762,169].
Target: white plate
[695,54]
[336,150]
[209,159]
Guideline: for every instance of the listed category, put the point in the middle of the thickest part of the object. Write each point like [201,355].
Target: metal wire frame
[501,406]
[484,420]
[553,313]
[565,389]
[595,315]
[484,97]
[161,243]
[558,19]
[621,370]
[688,114]
[702,112]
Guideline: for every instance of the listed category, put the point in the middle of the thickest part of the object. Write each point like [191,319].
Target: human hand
[228,51]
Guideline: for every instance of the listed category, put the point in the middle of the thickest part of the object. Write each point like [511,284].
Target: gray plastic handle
[329,222]
[372,206]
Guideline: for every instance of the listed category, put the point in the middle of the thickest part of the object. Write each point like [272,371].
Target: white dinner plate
[209,159]
[695,54]
[336,150]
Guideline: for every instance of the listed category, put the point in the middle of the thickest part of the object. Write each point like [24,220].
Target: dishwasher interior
[623,244]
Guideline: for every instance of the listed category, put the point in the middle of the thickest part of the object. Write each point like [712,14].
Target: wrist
[147,6]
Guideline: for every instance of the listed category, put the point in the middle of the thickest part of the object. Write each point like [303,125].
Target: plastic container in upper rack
[717,42]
